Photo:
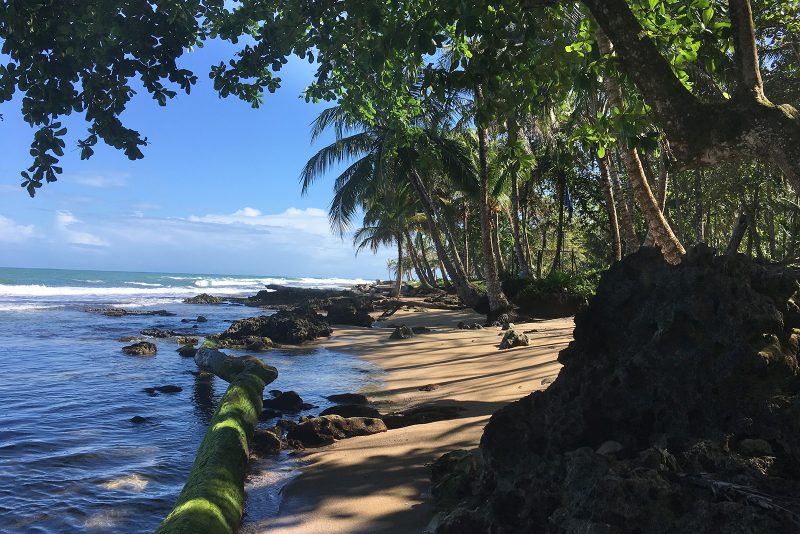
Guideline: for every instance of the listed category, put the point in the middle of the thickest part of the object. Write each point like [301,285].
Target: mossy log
[213,497]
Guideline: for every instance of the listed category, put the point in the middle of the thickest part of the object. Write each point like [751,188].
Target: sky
[217,191]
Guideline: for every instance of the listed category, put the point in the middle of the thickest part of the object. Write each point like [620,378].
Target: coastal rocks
[692,370]
[138,419]
[421,330]
[127,339]
[503,321]
[169,388]
[286,401]
[420,415]
[186,340]
[469,326]
[201,319]
[320,431]
[512,339]
[143,348]
[187,351]
[250,343]
[122,312]
[158,333]
[351,410]
[348,398]
[552,305]
[350,311]
[292,327]
[401,332]
[277,295]
[266,442]
[452,477]
[203,298]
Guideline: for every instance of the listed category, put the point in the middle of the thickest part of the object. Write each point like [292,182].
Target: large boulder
[143,348]
[292,327]
[351,311]
[348,398]
[319,431]
[512,339]
[278,296]
[203,298]
[677,410]
[401,332]
[351,410]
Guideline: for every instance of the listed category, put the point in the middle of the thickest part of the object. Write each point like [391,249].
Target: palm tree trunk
[424,261]
[468,294]
[498,253]
[657,224]
[423,279]
[466,236]
[497,300]
[399,284]
[623,208]
[608,193]
[524,269]
[562,189]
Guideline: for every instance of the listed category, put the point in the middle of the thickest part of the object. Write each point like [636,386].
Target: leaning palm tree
[382,157]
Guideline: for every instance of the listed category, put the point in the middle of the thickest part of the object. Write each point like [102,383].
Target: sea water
[70,458]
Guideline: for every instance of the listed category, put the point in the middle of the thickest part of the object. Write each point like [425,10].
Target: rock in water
[293,327]
[512,339]
[679,365]
[287,401]
[203,298]
[348,398]
[187,351]
[351,410]
[143,348]
[402,332]
[158,333]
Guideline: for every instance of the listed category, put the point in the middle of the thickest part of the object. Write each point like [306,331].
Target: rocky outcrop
[348,398]
[122,312]
[159,333]
[292,327]
[203,298]
[401,332]
[143,348]
[186,340]
[249,343]
[320,431]
[512,339]
[677,410]
[266,442]
[352,311]
[285,401]
[351,410]
[187,351]
[420,415]
[469,326]
[280,296]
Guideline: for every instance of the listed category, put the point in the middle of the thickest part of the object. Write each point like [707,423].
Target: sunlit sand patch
[106,519]
[129,483]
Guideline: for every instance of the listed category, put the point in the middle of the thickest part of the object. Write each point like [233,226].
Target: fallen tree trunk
[212,499]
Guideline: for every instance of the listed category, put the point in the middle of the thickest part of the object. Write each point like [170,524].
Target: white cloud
[11,232]
[65,221]
[102,181]
[310,220]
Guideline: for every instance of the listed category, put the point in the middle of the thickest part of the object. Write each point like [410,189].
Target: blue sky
[217,190]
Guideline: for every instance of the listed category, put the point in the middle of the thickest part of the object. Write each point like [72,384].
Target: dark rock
[421,330]
[401,332]
[268,414]
[127,339]
[348,398]
[319,431]
[158,333]
[512,339]
[169,388]
[503,321]
[283,327]
[201,319]
[309,406]
[469,326]
[143,348]
[203,298]
[287,401]
[353,311]
[552,305]
[351,410]
[427,413]
[137,419]
[187,351]
[150,391]
[122,312]
[679,365]
[452,477]
[429,387]
[266,442]
[186,340]
[275,392]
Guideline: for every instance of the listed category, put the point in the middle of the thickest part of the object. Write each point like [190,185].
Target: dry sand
[380,483]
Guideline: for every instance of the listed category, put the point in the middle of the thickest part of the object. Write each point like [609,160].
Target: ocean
[70,458]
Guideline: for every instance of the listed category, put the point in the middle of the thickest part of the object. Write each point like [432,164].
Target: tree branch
[745,52]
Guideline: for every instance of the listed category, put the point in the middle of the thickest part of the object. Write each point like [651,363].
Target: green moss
[212,499]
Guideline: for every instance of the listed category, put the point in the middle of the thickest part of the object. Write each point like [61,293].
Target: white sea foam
[25,306]
[144,284]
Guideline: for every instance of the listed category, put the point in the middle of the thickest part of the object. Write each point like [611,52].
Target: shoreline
[380,483]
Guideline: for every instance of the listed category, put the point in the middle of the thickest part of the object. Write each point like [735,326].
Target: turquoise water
[70,459]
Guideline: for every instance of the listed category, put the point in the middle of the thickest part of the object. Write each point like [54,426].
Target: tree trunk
[657,224]
[562,193]
[424,261]
[398,285]
[524,269]
[466,237]
[498,252]
[631,239]
[738,233]
[608,193]
[697,192]
[424,282]
[497,300]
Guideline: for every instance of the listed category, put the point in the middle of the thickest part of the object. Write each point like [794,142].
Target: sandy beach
[380,483]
